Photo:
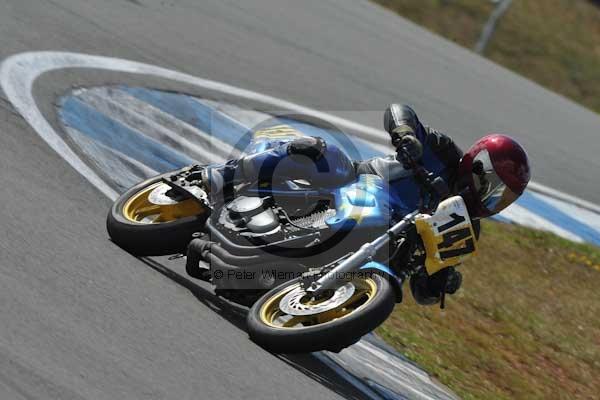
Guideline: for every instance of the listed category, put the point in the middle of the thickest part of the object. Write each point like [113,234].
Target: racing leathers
[439,154]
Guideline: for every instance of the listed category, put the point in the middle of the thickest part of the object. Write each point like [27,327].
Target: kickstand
[443,296]
[443,301]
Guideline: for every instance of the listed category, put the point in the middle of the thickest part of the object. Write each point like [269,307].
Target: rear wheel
[287,320]
[149,220]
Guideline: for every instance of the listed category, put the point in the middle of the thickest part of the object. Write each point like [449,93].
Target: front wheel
[287,320]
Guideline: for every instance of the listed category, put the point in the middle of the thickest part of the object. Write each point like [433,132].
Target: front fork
[357,260]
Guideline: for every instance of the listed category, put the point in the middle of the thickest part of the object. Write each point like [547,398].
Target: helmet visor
[491,190]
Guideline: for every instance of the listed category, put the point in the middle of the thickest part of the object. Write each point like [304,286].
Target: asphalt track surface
[79,318]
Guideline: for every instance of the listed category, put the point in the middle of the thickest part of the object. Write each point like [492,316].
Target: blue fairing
[405,192]
[372,202]
[367,202]
[394,280]
[374,265]
[331,171]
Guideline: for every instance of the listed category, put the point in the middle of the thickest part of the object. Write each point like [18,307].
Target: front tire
[371,303]
[144,228]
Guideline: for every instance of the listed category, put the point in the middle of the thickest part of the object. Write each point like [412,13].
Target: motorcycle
[319,266]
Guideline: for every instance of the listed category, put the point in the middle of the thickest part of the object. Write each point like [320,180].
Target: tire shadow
[317,366]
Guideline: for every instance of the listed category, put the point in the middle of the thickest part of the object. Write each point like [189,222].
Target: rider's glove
[411,146]
[401,122]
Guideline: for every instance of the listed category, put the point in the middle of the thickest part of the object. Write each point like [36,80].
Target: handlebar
[434,187]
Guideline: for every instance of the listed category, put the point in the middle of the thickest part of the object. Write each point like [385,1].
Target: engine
[248,217]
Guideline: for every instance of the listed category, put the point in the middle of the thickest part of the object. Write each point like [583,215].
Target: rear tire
[333,335]
[150,239]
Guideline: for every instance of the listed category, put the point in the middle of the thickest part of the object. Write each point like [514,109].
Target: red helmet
[492,174]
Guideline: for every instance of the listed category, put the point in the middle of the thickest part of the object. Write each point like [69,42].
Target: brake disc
[298,302]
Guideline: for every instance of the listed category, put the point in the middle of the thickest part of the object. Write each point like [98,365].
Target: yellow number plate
[447,235]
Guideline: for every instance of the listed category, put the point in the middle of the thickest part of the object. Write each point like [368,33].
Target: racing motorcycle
[320,267]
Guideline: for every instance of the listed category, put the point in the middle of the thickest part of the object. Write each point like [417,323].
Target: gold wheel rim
[138,208]
[271,315]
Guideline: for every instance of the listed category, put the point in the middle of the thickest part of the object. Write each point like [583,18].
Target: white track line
[147,120]
[357,383]
[567,198]
[188,133]
[18,72]
[404,378]
[524,217]
[124,175]
[584,216]
[247,118]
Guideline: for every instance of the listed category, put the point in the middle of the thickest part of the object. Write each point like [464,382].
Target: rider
[491,175]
